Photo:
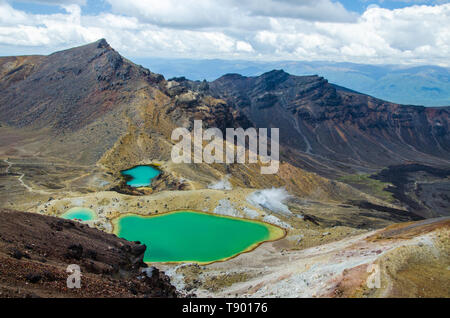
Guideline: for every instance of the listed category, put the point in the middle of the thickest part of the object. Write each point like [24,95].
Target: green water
[142,176]
[191,236]
[83,214]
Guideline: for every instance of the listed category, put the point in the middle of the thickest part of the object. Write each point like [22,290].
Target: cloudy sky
[362,31]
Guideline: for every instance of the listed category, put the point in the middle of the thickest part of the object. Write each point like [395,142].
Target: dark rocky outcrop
[423,189]
[37,249]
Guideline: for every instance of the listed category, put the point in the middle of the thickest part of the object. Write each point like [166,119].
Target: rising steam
[271,199]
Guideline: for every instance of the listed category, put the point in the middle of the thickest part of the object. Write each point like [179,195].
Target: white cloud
[9,16]
[210,13]
[199,29]
[244,47]
[177,14]
[56,2]
[313,10]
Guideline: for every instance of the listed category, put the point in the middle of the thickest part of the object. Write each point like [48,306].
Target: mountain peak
[99,45]
[276,74]
[78,79]
[102,44]
[279,72]
[233,76]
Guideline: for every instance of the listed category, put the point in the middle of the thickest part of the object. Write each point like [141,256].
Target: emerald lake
[83,214]
[187,236]
[141,176]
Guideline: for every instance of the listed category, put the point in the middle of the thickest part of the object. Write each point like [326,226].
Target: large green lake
[83,214]
[141,176]
[187,236]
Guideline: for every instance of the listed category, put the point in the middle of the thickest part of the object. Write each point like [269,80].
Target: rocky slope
[403,260]
[36,250]
[69,89]
[337,126]
[84,99]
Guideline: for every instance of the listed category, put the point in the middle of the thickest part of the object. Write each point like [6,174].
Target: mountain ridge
[311,104]
[417,85]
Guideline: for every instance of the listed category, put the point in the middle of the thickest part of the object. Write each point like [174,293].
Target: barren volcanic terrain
[350,166]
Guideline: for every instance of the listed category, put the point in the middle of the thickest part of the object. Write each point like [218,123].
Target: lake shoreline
[275,233]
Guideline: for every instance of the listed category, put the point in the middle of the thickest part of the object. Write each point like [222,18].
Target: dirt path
[20,179]
[23,183]
[9,165]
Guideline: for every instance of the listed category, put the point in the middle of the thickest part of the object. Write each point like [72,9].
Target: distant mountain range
[420,85]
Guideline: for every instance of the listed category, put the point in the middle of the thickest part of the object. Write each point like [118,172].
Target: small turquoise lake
[187,236]
[141,176]
[83,214]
